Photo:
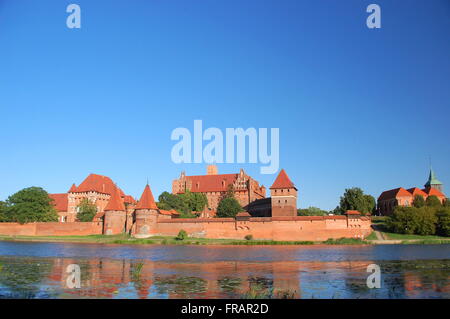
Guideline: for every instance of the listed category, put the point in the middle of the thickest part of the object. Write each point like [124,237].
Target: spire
[283,181]
[432,180]
[115,201]
[73,189]
[147,201]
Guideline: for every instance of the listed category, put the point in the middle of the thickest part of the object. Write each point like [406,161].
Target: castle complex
[388,200]
[272,218]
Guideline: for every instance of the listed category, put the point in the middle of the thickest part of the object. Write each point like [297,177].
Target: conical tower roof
[73,189]
[147,201]
[115,202]
[283,181]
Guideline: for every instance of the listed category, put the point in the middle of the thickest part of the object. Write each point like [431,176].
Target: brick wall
[51,229]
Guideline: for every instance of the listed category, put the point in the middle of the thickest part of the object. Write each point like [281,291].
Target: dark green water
[39,270]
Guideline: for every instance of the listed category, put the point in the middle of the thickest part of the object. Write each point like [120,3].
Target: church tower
[146,214]
[433,182]
[284,196]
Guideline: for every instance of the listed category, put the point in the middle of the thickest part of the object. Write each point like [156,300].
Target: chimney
[211,170]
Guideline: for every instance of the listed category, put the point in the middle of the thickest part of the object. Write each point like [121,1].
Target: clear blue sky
[355,107]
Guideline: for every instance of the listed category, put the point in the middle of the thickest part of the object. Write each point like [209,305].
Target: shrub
[228,207]
[418,201]
[182,235]
[433,201]
[443,222]
[248,237]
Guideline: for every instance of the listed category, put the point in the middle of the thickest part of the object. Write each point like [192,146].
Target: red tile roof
[431,191]
[147,201]
[211,183]
[352,212]
[129,199]
[60,201]
[417,191]
[98,183]
[168,212]
[394,193]
[115,202]
[73,189]
[282,181]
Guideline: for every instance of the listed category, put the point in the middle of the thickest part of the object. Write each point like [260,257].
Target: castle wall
[314,228]
[51,229]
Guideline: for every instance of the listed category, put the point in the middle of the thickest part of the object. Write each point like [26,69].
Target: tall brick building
[388,200]
[215,186]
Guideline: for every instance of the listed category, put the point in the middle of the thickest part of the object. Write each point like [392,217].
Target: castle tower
[146,214]
[115,215]
[284,196]
[433,182]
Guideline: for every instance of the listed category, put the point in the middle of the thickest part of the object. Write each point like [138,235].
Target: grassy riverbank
[164,240]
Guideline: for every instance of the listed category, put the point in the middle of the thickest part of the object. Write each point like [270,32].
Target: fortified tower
[284,196]
[146,214]
[115,215]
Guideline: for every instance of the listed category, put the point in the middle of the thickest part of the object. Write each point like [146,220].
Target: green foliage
[413,220]
[418,201]
[345,241]
[248,237]
[228,207]
[182,235]
[443,222]
[30,205]
[185,203]
[311,211]
[3,212]
[86,211]
[446,202]
[355,199]
[433,201]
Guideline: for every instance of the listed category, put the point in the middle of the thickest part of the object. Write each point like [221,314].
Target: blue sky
[355,106]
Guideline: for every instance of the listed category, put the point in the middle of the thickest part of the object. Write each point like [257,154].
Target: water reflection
[25,277]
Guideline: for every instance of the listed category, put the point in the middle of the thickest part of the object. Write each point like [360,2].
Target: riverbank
[164,240]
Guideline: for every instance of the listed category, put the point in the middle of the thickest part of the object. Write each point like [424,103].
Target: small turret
[284,196]
[433,182]
[146,214]
[115,214]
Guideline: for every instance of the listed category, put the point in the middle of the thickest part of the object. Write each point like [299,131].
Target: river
[39,270]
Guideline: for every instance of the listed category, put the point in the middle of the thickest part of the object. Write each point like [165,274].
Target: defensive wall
[311,228]
[51,229]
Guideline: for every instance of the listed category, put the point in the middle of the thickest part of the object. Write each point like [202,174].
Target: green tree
[228,207]
[3,217]
[195,202]
[30,205]
[311,211]
[169,201]
[86,211]
[443,222]
[403,220]
[426,221]
[433,201]
[355,199]
[418,201]
[447,203]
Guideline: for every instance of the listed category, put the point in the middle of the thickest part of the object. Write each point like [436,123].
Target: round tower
[115,215]
[146,214]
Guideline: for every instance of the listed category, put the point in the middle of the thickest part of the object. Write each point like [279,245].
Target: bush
[248,237]
[433,201]
[443,222]
[415,220]
[418,201]
[182,235]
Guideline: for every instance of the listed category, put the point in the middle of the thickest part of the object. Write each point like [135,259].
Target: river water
[39,270]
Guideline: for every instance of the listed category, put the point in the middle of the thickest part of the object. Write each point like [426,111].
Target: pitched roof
[283,181]
[129,199]
[98,183]
[60,201]
[147,201]
[171,212]
[211,183]
[417,191]
[431,191]
[115,202]
[73,189]
[394,193]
